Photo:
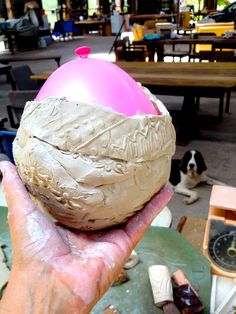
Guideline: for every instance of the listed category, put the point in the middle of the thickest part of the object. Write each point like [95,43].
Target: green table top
[4,234]
[161,246]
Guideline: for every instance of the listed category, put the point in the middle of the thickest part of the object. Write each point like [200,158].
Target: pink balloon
[98,81]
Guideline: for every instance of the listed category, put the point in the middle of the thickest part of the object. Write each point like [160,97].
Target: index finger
[139,223]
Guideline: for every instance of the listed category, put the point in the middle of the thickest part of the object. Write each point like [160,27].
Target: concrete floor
[217,143]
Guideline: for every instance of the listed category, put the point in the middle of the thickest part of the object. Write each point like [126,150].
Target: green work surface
[5,237]
[162,246]
[4,234]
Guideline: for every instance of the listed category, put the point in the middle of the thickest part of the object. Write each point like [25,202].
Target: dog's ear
[184,161]
[201,166]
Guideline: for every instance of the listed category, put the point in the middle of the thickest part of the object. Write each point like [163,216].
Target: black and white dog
[188,173]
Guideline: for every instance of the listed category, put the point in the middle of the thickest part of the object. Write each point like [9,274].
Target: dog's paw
[190,200]
[187,201]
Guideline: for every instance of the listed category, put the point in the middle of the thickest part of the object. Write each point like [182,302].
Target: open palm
[81,264]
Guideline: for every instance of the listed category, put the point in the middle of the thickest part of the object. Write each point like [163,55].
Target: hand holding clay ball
[94,146]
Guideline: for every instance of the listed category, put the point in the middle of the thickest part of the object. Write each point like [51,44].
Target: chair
[6,139]
[20,78]
[68,28]
[173,52]
[222,56]
[204,55]
[135,53]
[119,47]
[127,52]
[195,52]
[64,28]
[2,123]
[14,114]
[18,100]
[5,70]
[217,56]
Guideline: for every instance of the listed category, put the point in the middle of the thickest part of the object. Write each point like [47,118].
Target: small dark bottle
[185,297]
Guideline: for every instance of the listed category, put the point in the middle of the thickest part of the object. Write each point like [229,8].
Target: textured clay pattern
[91,167]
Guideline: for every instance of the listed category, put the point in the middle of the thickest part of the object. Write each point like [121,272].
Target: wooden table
[158,45]
[190,74]
[190,80]
[101,25]
[156,75]
[16,58]
[135,18]
[42,76]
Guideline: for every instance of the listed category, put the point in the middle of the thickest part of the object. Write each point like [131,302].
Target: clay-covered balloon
[94,146]
[98,81]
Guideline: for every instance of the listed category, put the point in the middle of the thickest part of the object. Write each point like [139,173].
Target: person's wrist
[24,291]
[38,291]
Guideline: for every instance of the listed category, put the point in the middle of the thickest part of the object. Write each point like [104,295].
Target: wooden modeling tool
[110,309]
[162,289]
[185,297]
[121,278]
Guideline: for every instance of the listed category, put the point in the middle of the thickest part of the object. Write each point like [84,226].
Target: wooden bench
[9,59]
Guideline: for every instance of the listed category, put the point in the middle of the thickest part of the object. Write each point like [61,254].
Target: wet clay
[91,167]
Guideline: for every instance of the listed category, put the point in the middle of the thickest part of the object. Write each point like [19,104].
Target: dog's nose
[191,166]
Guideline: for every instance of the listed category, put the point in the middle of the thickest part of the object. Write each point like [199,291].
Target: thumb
[18,200]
